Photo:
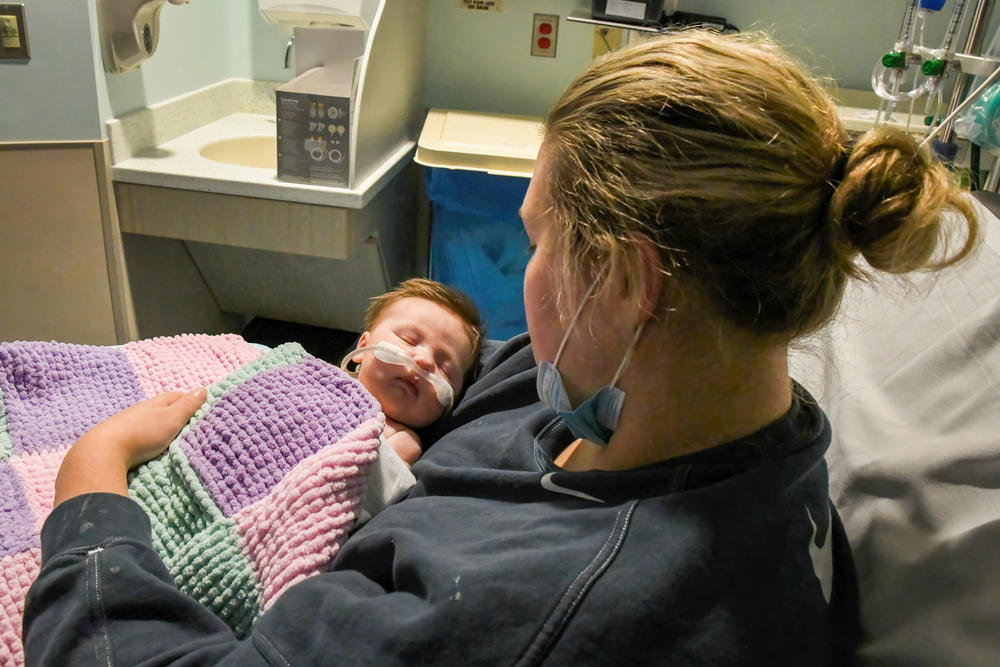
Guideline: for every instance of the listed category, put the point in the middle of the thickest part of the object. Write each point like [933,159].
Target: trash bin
[478,244]
[479,166]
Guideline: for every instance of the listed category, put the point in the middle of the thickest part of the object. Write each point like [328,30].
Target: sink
[251,151]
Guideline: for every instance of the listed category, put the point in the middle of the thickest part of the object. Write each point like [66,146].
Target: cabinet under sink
[288,260]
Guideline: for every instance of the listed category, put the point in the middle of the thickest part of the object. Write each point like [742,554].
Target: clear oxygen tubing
[893,65]
[889,92]
[393,354]
[936,60]
[933,85]
[933,106]
[946,50]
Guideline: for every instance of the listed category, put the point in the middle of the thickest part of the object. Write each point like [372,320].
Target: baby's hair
[727,156]
[450,298]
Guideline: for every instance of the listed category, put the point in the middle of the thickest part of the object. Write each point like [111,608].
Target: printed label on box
[313,138]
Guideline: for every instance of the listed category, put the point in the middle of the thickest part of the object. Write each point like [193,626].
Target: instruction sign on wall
[482,5]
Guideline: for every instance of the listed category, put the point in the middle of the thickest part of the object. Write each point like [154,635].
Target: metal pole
[971,47]
[966,102]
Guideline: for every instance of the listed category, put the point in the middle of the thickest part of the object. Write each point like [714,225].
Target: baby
[417,352]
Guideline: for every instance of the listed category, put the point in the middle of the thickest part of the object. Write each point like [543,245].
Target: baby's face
[435,337]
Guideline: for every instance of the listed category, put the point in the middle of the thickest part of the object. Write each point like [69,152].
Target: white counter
[161,146]
[178,163]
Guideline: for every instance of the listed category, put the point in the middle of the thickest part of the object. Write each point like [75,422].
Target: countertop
[177,163]
[160,145]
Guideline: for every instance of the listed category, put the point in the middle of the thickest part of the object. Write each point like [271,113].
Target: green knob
[932,67]
[894,59]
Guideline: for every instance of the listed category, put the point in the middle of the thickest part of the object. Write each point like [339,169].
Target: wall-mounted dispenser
[355,105]
[130,31]
[332,13]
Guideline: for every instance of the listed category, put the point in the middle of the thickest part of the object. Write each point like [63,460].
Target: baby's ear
[361,343]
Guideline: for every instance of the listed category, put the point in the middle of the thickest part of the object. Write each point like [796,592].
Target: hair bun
[889,201]
[840,166]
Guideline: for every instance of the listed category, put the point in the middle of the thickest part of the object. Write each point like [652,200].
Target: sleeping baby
[417,352]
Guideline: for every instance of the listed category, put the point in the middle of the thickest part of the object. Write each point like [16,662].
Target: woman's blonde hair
[731,159]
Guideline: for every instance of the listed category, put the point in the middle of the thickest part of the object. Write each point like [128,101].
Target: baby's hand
[101,458]
[403,440]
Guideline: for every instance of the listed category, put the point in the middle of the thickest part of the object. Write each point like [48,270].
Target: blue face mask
[596,418]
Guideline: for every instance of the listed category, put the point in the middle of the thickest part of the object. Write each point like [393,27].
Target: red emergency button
[545,28]
[544,42]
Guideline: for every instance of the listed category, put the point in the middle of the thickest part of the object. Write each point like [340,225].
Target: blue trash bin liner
[478,243]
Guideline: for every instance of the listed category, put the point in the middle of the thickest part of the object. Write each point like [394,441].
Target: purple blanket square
[55,392]
[243,452]
[17,522]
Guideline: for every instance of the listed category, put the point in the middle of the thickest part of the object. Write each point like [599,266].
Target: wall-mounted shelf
[584,16]
[676,21]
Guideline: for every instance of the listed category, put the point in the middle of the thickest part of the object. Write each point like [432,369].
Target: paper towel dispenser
[314,13]
[130,30]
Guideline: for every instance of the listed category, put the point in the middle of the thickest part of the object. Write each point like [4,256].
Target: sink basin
[253,151]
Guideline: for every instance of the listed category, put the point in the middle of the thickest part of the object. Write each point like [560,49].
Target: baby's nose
[423,357]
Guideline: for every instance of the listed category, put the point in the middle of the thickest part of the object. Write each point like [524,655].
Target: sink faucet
[288,50]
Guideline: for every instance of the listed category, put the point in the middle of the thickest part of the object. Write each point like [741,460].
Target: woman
[694,209]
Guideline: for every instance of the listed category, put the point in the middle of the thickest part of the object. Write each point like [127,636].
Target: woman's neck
[703,395]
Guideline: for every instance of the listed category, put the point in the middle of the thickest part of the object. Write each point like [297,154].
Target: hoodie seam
[553,625]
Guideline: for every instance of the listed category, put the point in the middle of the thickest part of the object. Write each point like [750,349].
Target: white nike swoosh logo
[549,485]
[822,557]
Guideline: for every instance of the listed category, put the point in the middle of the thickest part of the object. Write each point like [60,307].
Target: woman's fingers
[166,398]
[181,406]
[169,398]
[192,400]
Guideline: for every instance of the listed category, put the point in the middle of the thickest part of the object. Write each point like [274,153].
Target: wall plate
[544,31]
[13,32]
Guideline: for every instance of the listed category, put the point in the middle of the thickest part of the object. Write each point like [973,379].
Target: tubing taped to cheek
[393,354]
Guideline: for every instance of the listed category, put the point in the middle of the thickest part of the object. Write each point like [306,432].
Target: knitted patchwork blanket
[256,493]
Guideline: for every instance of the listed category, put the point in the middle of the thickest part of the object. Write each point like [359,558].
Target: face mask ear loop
[576,315]
[628,355]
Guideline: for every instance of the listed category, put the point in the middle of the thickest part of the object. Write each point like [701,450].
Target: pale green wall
[481,61]
[64,93]
[201,43]
[475,61]
[840,38]
[53,95]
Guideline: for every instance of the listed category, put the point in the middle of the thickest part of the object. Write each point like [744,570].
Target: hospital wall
[474,60]
[55,182]
[481,61]
[54,96]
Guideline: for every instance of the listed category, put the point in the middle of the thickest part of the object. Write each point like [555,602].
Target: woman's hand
[101,458]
